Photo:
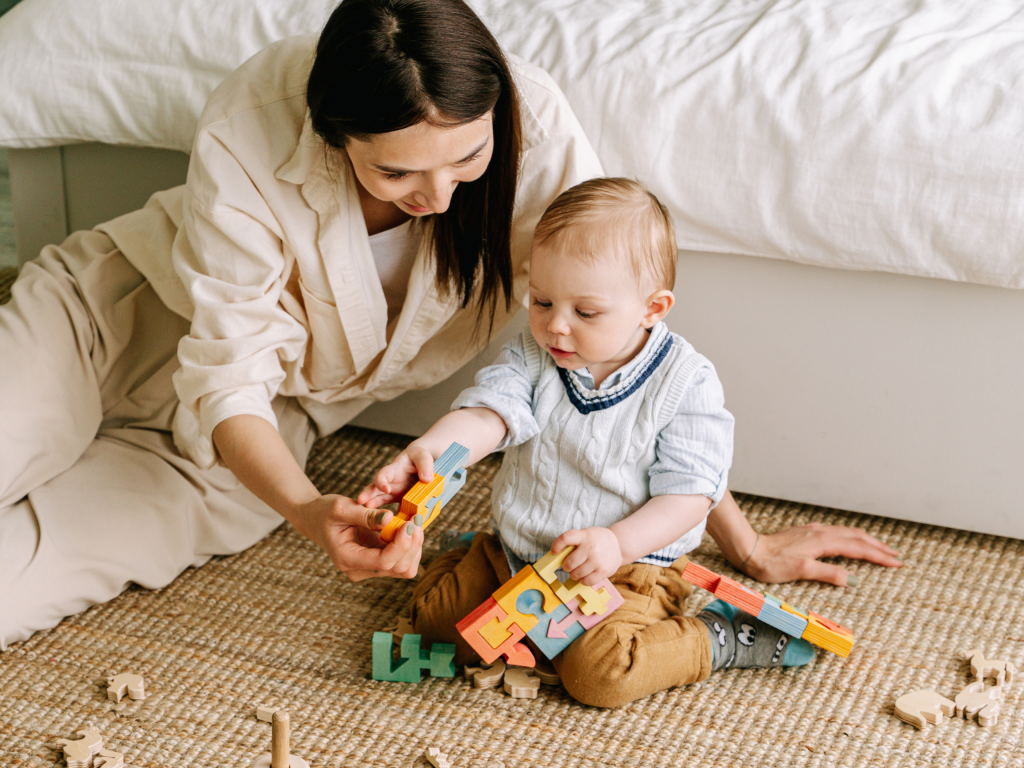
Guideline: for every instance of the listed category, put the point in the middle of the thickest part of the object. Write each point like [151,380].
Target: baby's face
[586,313]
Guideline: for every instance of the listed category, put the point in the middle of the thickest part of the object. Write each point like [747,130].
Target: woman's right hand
[348,533]
[414,464]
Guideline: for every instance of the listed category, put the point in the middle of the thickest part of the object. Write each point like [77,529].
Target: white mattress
[873,136]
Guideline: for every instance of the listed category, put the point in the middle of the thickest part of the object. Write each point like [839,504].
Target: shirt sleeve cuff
[677,483]
[519,420]
[218,406]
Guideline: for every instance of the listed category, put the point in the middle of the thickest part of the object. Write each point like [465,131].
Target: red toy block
[513,651]
[736,594]
[701,576]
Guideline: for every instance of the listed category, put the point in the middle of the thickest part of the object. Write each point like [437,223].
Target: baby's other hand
[412,465]
[597,555]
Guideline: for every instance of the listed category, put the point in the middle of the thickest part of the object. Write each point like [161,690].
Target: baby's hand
[597,555]
[412,465]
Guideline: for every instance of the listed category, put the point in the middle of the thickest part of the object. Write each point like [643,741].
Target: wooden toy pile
[809,625]
[974,701]
[535,604]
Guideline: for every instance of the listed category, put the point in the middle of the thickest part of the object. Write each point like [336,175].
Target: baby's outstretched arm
[479,429]
[601,551]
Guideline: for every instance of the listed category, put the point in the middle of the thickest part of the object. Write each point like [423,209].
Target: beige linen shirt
[266,251]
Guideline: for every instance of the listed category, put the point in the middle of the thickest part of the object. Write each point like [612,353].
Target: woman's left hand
[795,554]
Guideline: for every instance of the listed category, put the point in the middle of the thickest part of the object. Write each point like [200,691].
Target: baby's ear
[658,305]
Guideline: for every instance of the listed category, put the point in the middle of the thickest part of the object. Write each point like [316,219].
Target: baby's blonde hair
[617,215]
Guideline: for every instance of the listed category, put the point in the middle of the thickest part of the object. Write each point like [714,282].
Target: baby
[616,441]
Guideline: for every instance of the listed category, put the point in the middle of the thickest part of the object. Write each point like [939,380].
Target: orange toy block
[840,643]
[414,503]
[736,594]
[496,631]
[513,651]
[701,576]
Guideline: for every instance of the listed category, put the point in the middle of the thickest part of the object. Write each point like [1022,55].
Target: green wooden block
[382,656]
[441,664]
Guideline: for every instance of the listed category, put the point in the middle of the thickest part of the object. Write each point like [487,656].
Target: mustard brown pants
[645,646]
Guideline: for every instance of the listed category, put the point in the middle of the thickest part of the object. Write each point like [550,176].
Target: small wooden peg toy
[1000,670]
[427,499]
[521,683]
[488,675]
[437,758]
[920,706]
[126,682]
[79,753]
[280,746]
[107,758]
[975,701]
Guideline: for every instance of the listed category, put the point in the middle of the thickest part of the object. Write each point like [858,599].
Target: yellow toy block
[820,631]
[496,631]
[592,602]
[547,565]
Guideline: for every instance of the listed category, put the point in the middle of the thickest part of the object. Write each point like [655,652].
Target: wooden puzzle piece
[437,758]
[736,594]
[700,576]
[840,643]
[591,601]
[771,613]
[487,676]
[126,682]
[572,624]
[496,631]
[441,660]
[550,645]
[547,674]
[975,701]
[920,706]
[79,752]
[521,683]
[547,566]
[449,464]
[998,669]
[513,651]
[109,759]
[614,601]
[407,668]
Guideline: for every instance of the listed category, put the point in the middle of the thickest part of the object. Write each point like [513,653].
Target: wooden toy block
[920,706]
[572,624]
[771,613]
[488,675]
[547,674]
[975,701]
[550,563]
[437,758]
[407,668]
[495,631]
[840,643]
[441,664]
[427,499]
[126,682]
[107,758]
[532,602]
[280,745]
[591,601]
[266,714]
[736,594]
[513,651]
[700,576]
[521,683]
[614,601]
[1000,670]
[79,752]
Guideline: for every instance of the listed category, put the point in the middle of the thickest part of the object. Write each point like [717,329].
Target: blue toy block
[531,601]
[441,660]
[449,464]
[772,613]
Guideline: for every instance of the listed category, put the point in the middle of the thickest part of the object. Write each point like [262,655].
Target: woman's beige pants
[93,493]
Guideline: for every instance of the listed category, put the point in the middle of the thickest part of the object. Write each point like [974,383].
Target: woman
[357,217]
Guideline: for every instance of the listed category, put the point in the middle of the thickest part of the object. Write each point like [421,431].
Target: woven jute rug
[278,626]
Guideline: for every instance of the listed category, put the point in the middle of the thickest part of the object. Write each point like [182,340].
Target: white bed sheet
[841,133]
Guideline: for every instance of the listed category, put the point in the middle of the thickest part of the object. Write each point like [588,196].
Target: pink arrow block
[556,629]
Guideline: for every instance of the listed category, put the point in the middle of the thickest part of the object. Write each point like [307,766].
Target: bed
[847,184]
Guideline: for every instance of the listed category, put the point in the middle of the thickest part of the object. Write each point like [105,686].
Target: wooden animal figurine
[427,499]
[107,758]
[437,758]
[280,745]
[488,675]
[79,753]
[920,706]
[126,682]
[521,683]
[1001,671]
[975,701]
[547,674]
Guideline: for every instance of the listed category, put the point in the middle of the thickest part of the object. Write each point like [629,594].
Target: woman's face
[418,168]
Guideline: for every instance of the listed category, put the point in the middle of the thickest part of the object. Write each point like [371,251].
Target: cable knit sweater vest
[589,464]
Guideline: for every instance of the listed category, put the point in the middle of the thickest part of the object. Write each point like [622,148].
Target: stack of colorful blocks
[535,604]
[810,626]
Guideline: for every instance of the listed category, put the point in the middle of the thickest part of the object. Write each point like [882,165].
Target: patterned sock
[453,539]
[738,640]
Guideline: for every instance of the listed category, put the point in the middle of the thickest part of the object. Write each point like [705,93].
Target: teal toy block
[773,614]
[532,602]
[407,668]
[450,464]
[441,660]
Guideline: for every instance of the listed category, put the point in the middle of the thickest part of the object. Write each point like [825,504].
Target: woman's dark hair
[384,65]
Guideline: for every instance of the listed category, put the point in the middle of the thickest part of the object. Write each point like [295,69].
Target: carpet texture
[278,626]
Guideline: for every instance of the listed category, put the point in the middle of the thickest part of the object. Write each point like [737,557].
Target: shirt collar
[619,374]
